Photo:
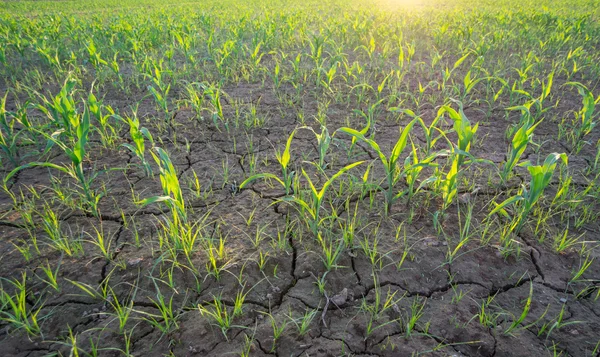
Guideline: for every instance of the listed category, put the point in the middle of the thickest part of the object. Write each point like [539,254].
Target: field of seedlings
[300,178]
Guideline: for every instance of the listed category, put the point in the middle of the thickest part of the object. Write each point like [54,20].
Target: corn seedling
[527,198]
[214,94]
[323,142]
[586,118]
[278,329]
[217,312]
[331,249]
[303,322]
[166,320]
[139,135]
[486,316]
[122,310]
[313,206]
[77,155]
[287,175]
[173,195]
[416,312]
[16,311]
[160,91]
[9,134]
[58,239]
[51,275]
[518,320]
[108,134]
[519,142]
[389,163]
[558,323]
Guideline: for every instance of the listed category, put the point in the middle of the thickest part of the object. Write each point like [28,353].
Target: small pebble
[431,242]
[341,298]
[134,262]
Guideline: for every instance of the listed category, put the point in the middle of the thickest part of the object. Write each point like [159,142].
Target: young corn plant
[166,320]
[303,322]
[217,258]
[173,195]
[218,313]
[429,131]
[448,183]
[377,310]
[108,134]
[323,142]
[416,313]
[528,197]
[16,311]
[214,94]
[52,227]
[9,135]
[413,165]
[122,310]
[313,206]
[139,135]
[51,275]
[584,265]
[487,316]
[195,98]
[287,175]
[178,233]
[557,323]
[278,330]
[94,56]
[469,83]
[538,102]
[464,130]
[519,142]
[518,320]
[369,117]
[586,118]
[62,109]
[465,232]
[332,251]
[160,91]
[393,171]
[75,169]
[103,242]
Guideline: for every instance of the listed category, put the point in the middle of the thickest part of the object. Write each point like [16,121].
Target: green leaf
[82,137]
[301,203]
[154,199]
[312,186]
[285,157]
[507,202]
[260,176]
[338,174]
[36,164]
[460,61]
[369,142]
[401,143]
